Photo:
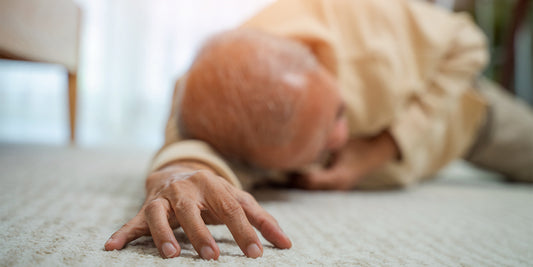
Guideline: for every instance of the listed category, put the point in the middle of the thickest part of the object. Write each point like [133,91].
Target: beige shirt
[403,66]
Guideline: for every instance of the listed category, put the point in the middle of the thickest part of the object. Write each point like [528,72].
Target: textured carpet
[59,205]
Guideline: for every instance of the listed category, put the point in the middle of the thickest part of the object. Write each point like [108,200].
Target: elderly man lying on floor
[344,94]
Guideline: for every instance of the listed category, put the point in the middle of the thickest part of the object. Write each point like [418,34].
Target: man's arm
[190,186]
[439,122]
[189,194]
[176,148]
[404,65]
[425,70]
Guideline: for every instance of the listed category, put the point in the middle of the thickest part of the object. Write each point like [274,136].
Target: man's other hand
[351,164]
[179,195]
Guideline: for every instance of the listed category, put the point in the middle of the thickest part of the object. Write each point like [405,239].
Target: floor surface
[59,205]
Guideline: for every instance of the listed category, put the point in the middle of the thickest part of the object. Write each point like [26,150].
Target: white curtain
[132,52]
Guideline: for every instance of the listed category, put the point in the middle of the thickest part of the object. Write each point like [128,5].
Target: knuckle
[263,218]
[131,229]
[138,230]
[176,187]
[202,177]
[247,199]
[229,209]
[153,204]
[262,221]
[183,205]
[197,234]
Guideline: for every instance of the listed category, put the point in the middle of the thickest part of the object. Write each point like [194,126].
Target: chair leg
[72,99]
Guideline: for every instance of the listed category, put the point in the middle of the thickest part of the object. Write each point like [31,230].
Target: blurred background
[108,66]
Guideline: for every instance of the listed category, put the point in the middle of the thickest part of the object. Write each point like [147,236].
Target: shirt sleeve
[438,121]
[176,148]
[304,21]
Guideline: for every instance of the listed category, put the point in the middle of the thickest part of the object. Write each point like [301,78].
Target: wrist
[176,170]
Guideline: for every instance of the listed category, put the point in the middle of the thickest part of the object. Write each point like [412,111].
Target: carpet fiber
[59,205]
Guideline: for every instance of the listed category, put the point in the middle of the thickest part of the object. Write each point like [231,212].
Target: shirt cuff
[197,151]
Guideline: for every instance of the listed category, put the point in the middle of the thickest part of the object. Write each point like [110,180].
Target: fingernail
[253,251]
[107,242]
[207,253]
[168,250]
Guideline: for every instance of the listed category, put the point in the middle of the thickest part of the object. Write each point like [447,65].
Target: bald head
[246,94]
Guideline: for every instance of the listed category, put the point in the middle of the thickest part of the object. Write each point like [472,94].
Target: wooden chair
[44,31]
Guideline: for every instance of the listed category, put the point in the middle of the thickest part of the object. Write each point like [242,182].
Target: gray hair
[243,89]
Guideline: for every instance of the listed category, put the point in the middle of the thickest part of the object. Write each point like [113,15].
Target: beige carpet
[58,206]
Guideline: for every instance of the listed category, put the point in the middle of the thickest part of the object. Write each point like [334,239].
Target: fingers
[264,222]
[156,214]
[132,230]
[189,216]
[309,181]
[220,202]
[333,179]
[228,209]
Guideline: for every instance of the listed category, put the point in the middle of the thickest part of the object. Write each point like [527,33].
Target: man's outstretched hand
[191,197]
